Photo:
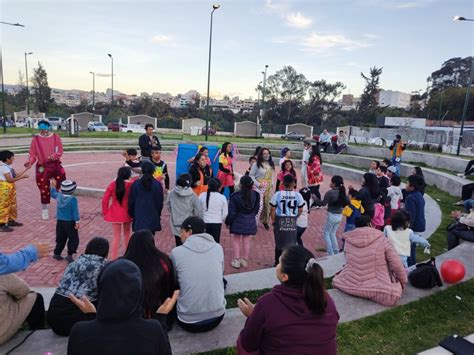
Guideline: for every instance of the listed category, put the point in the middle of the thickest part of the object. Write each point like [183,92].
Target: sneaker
[235,263]
[69,259]
[244,263]
[266,226]
[57,257]
[459,203]
[6,228]
[461,175]
[44,214]
[14,224]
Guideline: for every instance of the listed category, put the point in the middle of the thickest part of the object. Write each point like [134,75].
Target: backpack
[425,275]
[379,213]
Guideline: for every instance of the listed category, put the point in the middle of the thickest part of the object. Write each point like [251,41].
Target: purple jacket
[281,323]
[241,217]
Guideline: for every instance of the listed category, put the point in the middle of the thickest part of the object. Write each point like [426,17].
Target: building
[397,99]
[347,100]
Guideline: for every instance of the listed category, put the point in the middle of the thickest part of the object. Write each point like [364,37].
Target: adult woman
[215,209]
[145,201]
[226,170]
[156,268]
[296,317]
[200,173]
[117,211]
[369,193]
[243,207]
[262,176]
[373,268]
[314,174]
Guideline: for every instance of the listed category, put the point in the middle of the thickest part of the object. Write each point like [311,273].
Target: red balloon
[452,271]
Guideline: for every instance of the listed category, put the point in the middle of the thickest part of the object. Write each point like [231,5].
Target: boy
[353,210]
[415,206]
[8,209]
[396,152]
[161,169]
[133,162]
[252,160]
[286,207]
[394,193]
[67,215]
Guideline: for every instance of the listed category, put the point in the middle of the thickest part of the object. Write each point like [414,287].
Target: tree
[42,91]
[322,99]
[368,99]
[449,104]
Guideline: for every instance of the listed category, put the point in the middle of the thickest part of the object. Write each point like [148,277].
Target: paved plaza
[96,170]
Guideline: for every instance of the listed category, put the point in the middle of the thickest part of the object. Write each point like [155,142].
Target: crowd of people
[109,303]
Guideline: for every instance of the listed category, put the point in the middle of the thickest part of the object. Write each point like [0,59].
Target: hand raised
[43,249]
[246,307]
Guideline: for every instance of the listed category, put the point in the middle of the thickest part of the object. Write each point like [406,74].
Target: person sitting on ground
[79,279]
[374,165]
[463,230]
[341,142]
[373,268]
[401,236]
[415,206]
[18,261]
[387,162]
[199,267]
[394,192]
[296,317]
[381,174]
[469,169]
[325,140]
[18,303]
[391,171]
[370,193]
[116,327]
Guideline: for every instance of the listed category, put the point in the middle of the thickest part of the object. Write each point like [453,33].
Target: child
[133,162]
[8,206]
[394,192]
[286,207]
[374,165]
[353,210]
[226,168]
[314,174]
[415,206]
[205,152]
[182,203]
[285,155]
[401,236]
[252,160]
[381,173]
[336,200]
[286,168]
[161,169]
[67,224]
[302,221]
[214,205]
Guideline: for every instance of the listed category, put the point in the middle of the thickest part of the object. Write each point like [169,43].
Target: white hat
[392,169]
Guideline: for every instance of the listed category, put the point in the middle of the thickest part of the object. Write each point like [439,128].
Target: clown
[46,150]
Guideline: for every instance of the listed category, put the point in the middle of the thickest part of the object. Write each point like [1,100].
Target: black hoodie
[118,328]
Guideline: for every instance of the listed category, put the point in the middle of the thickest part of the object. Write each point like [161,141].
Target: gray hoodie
[199,267]
[182,203]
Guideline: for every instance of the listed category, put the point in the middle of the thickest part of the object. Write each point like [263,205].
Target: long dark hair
[123,174]
[315,152]
[257,150]
[213,185]
[246,188]
[196,159]
[338,181]
[147,178]
[293,263]
[418,171]
[224,149]
[371,183]
[156,268]
[292,170]
[260,159]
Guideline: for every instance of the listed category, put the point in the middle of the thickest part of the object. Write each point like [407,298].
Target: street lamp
[112,98]
[1,72]
[214,8]
[93,91]
[259,88]
[27,89]
[468,92]
[263,94]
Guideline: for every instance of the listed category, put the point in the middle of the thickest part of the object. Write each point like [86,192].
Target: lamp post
[4,117]
[93,91]
[259,88]
[468,92]
[263,95]
[112,97]
[27,88]
[214,8]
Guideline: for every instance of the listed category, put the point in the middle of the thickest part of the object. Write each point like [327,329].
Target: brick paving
[97,170]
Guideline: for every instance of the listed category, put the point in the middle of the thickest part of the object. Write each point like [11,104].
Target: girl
[243,207]
[336,200]
[302,221]
[262,176]
[205,152]
[369,193]
[117,212]
[285,155]
[182,203]
[374,165]
[286,168]
[215,209]
[313,171]
[200,174]
[401,236]
[226,170]
[298,316]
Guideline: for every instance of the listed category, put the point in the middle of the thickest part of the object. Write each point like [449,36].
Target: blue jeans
[329,232]
[397,164]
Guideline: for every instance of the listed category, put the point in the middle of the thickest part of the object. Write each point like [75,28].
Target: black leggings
[200,327]
[315,191]
[35,319]
[214,229]
[469,168]
[467,192]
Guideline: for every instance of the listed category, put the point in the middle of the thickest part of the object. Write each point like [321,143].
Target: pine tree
[368,100]
[42,91]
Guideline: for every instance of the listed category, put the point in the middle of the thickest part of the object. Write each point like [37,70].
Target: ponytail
[213,185]
[123,174]
[338,181]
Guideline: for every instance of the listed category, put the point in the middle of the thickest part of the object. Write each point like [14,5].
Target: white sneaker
[44,214]
[244,263]
[235,263]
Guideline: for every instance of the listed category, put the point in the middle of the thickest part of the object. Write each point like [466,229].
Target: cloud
[397,5]
[162,39]
[280,6]
[371,36]
[298,20]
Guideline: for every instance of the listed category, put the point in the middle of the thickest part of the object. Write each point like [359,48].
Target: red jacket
[116,212]
[314,173]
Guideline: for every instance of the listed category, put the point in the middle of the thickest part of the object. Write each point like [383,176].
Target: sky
[162,46]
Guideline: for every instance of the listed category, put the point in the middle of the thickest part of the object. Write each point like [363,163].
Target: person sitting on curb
[463,230]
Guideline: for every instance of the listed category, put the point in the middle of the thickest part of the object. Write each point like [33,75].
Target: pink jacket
[116,212]
[373,269]
[44,149]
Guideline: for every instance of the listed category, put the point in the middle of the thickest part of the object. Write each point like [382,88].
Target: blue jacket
[241,217]
[67,209]
[18,261]
[145,206]
[415,206]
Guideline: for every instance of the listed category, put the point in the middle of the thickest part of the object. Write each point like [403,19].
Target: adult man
[304,162]
[199,267]
[325,140]
[46,150]
[148,141]
[341,142]
[396,151]
[464,230]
